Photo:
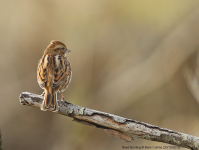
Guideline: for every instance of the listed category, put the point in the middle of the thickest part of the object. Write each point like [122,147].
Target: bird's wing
[41,73]
[62,70]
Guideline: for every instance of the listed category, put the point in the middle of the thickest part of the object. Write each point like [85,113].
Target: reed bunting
[53,74]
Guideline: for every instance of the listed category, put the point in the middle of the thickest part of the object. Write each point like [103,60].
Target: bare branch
[192,82]
[117,126]
[192,79]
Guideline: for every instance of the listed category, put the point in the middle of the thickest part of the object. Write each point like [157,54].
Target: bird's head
[57,47]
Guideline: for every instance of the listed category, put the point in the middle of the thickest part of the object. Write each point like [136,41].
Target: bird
[53,74]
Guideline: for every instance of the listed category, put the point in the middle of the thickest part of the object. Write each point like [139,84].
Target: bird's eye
[63,48]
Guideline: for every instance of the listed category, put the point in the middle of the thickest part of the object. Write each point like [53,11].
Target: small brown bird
[53,74]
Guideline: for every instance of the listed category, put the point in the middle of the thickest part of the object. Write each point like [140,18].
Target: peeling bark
[117,126]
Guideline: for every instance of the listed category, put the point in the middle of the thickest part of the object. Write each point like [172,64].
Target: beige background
[127,58]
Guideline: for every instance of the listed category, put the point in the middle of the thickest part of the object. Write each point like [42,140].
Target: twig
[117,126]
[192,82]
[192,79]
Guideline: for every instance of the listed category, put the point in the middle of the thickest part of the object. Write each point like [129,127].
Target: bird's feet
[43,94]
[62,97]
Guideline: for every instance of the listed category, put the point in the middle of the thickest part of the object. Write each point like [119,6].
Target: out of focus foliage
[127,59]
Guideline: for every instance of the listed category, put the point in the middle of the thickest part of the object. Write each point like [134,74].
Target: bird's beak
[67,50]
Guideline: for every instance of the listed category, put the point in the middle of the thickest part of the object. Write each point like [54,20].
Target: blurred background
[128,58]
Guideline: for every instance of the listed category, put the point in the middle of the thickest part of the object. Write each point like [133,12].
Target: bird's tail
[50,100]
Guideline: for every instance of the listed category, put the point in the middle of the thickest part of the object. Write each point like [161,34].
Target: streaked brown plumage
[53,73]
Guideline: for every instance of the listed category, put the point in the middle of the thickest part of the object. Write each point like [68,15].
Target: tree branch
[117,126]
[192,79]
